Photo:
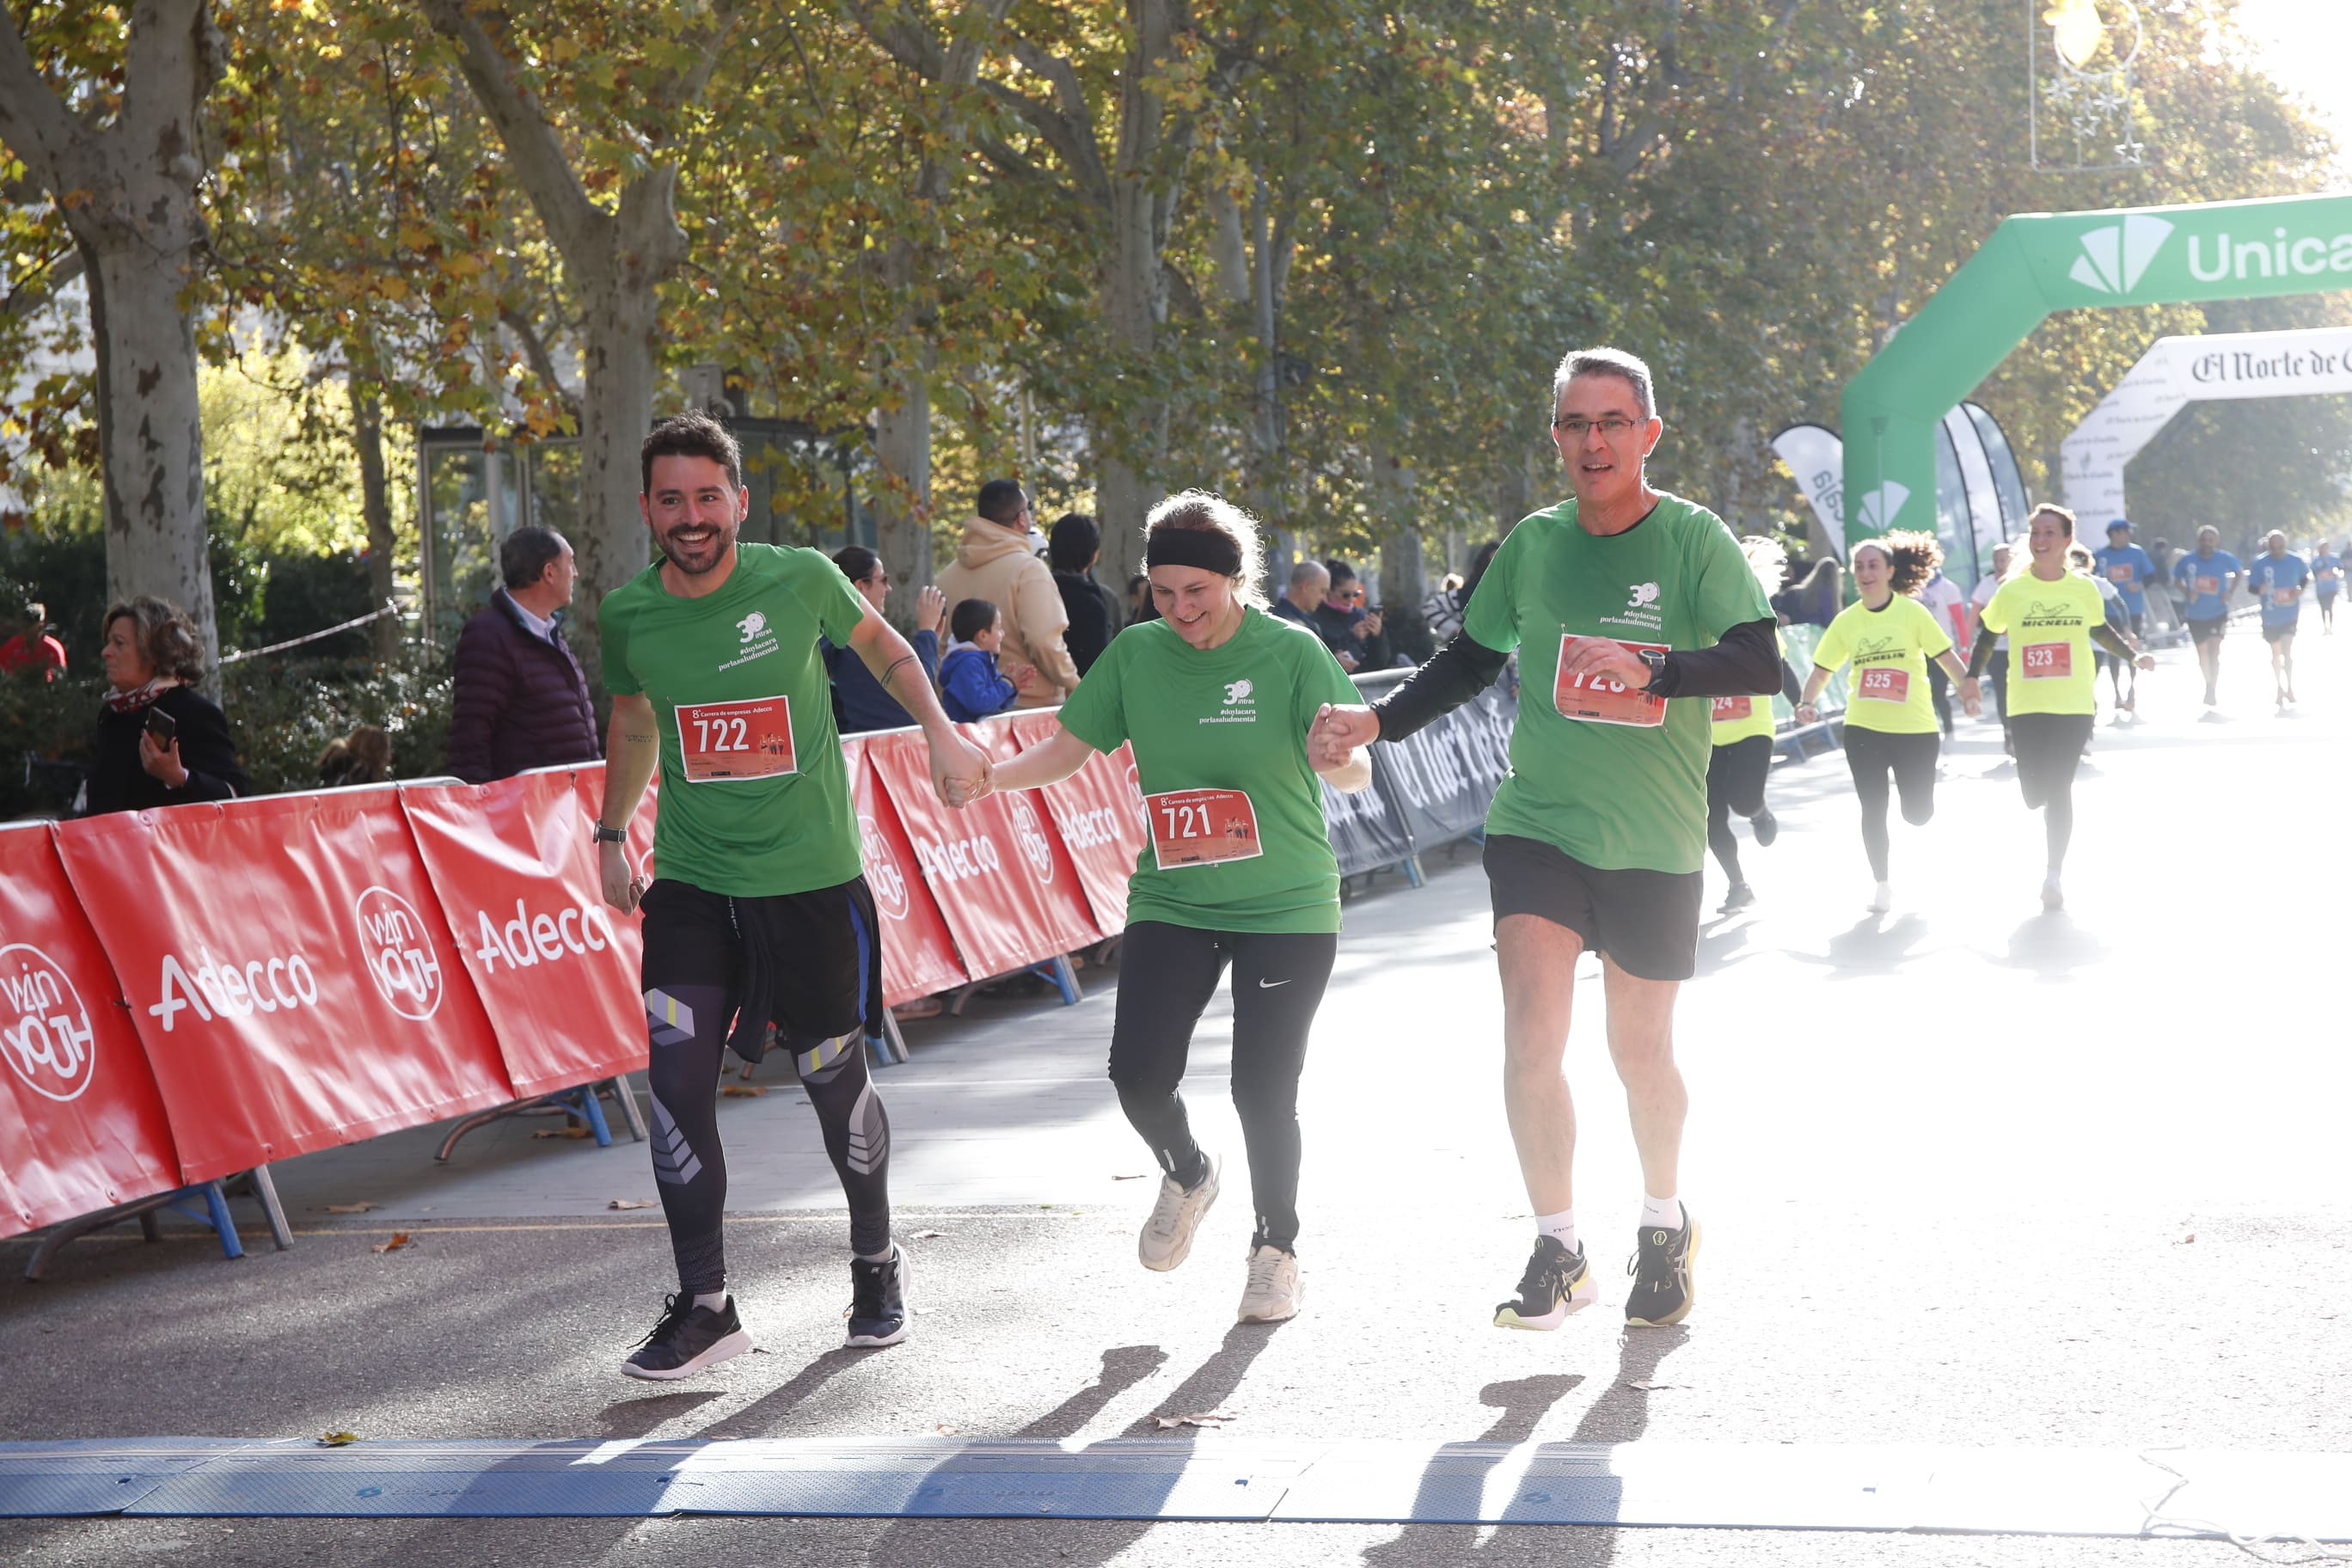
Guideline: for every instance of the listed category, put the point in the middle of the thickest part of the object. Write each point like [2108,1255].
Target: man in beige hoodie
[993,563]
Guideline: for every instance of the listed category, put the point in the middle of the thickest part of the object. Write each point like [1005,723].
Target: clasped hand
[960,771]
[1337,732]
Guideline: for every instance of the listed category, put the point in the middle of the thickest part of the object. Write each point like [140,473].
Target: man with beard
[760,913]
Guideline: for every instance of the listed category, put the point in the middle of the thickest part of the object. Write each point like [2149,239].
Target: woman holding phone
[1217,697]
[158,742]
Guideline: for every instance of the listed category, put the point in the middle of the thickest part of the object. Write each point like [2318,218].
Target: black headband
[1207,548]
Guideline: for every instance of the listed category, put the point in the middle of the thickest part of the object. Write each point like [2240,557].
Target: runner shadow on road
[2051,946]
[758,1418]
[1123,1369]
[1874,944]
[1523,1404]
[638,1417]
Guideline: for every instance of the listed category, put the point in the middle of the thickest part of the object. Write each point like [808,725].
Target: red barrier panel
[1004,882]
[1098,812]
[918,957]
[516,875]
[285,973]
[82,1124]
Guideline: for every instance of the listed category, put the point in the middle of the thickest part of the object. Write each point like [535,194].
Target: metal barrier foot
[628,1095]
[266,1189]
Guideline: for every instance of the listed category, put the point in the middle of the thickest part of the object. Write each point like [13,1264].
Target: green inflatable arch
[2041,262]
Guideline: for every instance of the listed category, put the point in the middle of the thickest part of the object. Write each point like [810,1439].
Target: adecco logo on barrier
[45,1031]
[218,989]
[529,939]
[956,859]
[882,873]
[398,954]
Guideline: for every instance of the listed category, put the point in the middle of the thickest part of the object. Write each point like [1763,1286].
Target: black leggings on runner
[1166,975]
[1999,670]
[1735,783]
[1872,756]
[2049,750]
[693,986]
[2326,610]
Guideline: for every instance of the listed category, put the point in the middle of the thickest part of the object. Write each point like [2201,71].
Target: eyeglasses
[1610,427]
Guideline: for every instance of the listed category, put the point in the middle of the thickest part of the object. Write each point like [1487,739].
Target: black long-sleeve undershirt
[1746,662]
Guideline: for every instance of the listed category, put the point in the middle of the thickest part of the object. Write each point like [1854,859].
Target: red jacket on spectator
[520,701]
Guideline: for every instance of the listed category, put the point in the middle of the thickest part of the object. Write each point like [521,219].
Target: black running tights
[1874,756]
[1735,783]
[2049,750]
[1166,975]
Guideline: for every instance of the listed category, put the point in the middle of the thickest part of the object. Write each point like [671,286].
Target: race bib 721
[1603,699]
[1202,827]
[730,741]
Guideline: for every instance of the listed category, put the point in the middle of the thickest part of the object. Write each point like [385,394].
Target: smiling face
[125,663]
[2048,535]
[1605,464]
[1871,570]
[694,512]
[1197,601]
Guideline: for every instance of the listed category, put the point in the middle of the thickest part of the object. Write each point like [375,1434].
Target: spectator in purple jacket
[521,699]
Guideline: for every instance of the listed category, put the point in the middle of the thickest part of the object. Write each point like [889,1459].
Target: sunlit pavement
[1969,1173]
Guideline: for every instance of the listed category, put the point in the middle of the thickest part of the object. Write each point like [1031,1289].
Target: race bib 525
[1883,683]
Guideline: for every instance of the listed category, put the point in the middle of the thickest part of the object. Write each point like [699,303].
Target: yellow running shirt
[1738,718]
[1890,647]
[2049,626]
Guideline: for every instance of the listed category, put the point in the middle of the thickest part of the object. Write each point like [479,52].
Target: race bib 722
[730,741]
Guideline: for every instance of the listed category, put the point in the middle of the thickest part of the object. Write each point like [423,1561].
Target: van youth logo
[45,1031]
[2115,255]
[398,953]
[882,874]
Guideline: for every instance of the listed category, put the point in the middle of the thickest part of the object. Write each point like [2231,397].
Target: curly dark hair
[1911,557]
[166,637]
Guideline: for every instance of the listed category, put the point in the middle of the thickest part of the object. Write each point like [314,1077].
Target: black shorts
[1647,922]
[825,955]
[2207,631]
[2280,633]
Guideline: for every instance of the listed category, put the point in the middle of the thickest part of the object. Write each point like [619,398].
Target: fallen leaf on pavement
[1653,1387]
[562,1132]
[631,1204]
[349,1208]
[338,1439]
[929,1234]
[2187,1239]
[1137,1177]
[400,1239]
[944,1430]
[744,1090]
[1199,1418]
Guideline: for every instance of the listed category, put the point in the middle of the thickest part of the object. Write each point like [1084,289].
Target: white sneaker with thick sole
[1167,1238]
[1882,898]
[1274,1290]
[2054,897]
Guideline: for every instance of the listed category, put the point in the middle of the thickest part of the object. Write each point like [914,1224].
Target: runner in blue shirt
[2128,567]
[2326,576]
[2206,578]
[2276,580]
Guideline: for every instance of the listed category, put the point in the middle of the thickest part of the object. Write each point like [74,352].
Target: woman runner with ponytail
[1216,697]
[1890,724]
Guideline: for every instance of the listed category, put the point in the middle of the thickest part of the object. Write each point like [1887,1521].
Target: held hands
[622,887]
[1971,695]
[163,762]
[1337,732]
[1809,715]
[960,771]
[1593,656]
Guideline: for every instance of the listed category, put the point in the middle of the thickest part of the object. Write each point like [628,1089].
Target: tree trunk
[1513,495]
[1404,578]
[616,410]
[902,496]
[375,507]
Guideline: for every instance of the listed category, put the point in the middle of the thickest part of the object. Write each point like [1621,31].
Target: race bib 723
[730,741]
[1603,699]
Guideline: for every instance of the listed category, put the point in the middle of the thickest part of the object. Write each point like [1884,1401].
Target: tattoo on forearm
[897,665]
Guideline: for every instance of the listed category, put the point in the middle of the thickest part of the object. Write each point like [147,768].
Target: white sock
[1666,1212]
[1560,1227]
[714,1299]
[882,1257]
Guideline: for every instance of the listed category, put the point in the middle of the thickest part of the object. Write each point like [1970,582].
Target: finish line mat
[2070,1491]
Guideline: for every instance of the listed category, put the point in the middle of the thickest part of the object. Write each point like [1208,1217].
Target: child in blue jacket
[969,685]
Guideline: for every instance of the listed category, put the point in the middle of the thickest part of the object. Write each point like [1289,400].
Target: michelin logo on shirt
[753,631]
[1240,705]
[1640,600]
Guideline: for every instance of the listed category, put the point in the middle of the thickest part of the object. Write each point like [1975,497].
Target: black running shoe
[688,1339]
[878,1299]
[1662,1291]
[1739,897]
[1765,825]
[1557,1283]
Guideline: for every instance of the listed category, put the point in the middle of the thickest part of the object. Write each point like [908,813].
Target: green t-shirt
[1210,727]
[2049,626]
[1611,777]
[755,799]
[1890,647]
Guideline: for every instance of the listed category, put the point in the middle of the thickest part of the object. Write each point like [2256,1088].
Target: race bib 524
[1727,708]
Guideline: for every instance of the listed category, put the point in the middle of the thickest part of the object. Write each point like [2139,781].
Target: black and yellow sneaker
[688,1339]
[1662,1291]
[1557,1283]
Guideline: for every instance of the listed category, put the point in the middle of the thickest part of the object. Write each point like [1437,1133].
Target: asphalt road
[1969,1173]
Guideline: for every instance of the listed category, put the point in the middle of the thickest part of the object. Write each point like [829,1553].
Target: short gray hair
[1605,362]
[1306,571]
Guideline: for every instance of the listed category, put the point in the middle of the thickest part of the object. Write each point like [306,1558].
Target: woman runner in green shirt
[1217,697]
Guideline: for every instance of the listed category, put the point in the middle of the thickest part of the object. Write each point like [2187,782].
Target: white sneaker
[1274,1290]
[1883,899]
[2052,896]
[1167,1238]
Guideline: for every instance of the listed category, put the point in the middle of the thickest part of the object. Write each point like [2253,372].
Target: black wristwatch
[611,835]
[1657,659]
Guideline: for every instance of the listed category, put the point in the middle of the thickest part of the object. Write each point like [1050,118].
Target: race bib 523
[2049,660]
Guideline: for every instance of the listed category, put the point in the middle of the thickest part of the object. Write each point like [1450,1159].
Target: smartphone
[163,727]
